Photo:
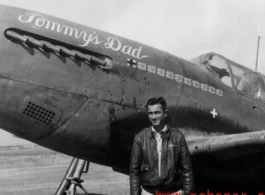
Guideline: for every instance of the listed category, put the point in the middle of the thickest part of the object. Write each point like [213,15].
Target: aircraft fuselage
[82,91]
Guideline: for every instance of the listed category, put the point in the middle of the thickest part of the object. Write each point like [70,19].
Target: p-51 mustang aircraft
[81,92]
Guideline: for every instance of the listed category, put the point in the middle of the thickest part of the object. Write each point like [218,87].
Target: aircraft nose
[33,112]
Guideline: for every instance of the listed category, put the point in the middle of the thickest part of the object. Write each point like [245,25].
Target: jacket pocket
[145,173]
[172,146]
[176,170]
[144,167]
[177,173]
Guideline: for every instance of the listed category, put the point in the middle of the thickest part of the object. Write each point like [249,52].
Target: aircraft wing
[226,147]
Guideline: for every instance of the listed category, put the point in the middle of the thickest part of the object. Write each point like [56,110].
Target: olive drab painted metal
[82,92]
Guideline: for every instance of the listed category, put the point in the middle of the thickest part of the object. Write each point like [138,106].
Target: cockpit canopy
[240,78]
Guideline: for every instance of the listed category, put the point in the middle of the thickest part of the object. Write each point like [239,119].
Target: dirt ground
[34,170]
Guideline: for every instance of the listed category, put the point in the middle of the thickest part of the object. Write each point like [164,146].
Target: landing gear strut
[72,178]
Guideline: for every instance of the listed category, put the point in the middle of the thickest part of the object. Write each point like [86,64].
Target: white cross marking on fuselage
[214,113]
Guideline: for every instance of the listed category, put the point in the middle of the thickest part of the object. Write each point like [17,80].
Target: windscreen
[249,81]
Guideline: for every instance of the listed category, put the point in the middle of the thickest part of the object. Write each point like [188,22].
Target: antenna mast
[257,58]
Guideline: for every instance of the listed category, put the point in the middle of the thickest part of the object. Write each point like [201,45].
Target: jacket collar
[164,134]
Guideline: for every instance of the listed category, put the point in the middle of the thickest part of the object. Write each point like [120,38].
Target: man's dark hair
[157,100]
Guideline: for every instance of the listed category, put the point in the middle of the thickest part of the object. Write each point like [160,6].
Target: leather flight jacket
[176,169]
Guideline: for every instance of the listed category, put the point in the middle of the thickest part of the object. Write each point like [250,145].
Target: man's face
[156,115]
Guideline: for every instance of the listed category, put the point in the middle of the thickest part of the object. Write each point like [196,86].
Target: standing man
[160,159]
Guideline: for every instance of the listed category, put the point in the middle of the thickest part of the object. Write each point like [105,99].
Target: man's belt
[161,191]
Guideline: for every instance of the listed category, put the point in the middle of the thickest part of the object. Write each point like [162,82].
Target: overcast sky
[185,28]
